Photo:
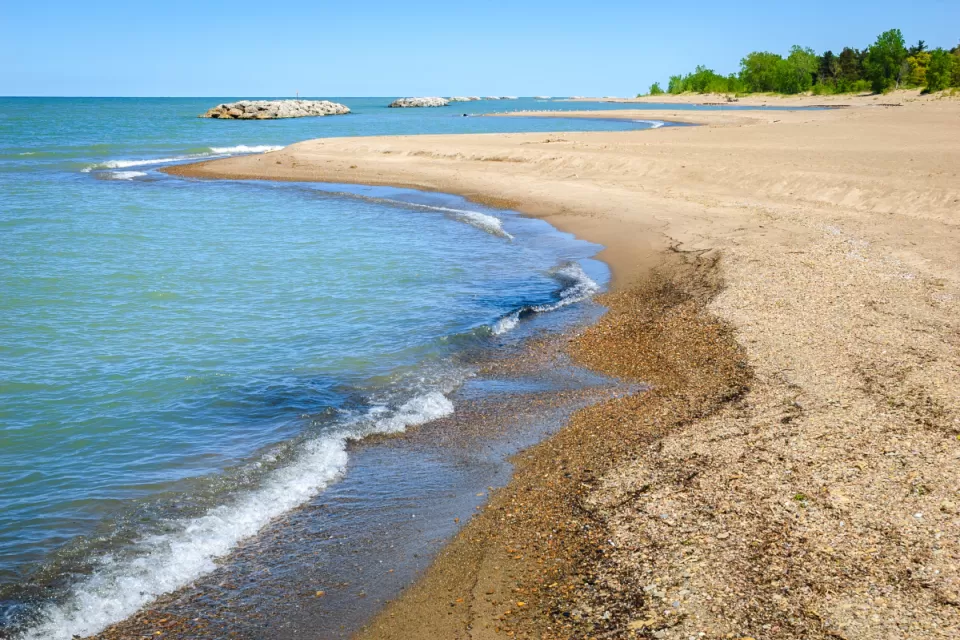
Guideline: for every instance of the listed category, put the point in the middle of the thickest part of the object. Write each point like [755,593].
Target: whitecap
[242,148]
[654,124]
[483,221]
[119,587]
[419,410]
[506,323]
[124,175]
[214,152]
[577,287]
[123,164]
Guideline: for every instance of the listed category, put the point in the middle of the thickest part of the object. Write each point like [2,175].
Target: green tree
[804,62]
[851,69]
[828,68]
[758,71]
[655,89]
[675,85]
[939,72]
[885,59]
[917,68]
[955,74]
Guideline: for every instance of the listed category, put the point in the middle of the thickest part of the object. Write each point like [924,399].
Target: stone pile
[419,102]
[272,109]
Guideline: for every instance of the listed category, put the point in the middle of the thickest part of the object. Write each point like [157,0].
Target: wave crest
[119,587]
[242,148]
[483,221]
[577,286]
[214,152]
[124,175]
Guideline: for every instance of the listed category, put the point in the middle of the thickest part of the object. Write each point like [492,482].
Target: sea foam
[214,152]
[483,221]
[654,124]
[242,148]
[577,286]
[118,588]
[124,175]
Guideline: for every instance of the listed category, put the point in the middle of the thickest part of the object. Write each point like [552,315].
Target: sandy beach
[789,284]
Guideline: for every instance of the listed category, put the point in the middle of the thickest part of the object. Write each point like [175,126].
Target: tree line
[886,64]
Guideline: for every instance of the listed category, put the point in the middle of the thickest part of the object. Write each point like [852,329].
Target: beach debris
[419,102]
[275,109]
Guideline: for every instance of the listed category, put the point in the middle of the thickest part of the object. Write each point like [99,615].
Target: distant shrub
[821,89]
[939,71]
[655,89]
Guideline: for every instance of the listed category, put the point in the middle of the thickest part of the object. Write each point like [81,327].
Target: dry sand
[789,283]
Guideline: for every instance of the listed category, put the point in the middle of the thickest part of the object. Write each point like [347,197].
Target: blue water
[181,361]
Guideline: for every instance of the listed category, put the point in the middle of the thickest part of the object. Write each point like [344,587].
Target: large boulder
[270,109]
[419,102]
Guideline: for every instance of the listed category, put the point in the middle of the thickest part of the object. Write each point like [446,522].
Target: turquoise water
[182,361]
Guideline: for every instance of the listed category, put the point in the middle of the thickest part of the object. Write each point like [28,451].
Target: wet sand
[789,282]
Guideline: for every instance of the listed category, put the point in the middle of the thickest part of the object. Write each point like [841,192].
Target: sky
[258,48]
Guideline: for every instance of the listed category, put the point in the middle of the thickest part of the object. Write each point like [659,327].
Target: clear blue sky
[398,47]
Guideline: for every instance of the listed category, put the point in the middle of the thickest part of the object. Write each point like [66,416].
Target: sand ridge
[816,497]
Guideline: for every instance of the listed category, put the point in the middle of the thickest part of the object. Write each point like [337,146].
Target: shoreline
[573,282]
[898,96]
[840,295]
[357,559]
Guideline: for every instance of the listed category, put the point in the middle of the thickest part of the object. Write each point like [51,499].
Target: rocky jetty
[419,102]
[492,98]
[541,97]
[508,97]
[272,109]
[463,99]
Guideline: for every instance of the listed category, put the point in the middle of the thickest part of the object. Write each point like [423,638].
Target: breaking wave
[654,124]
[162,563]
[483,221]
[124,175]
[577,286]
[214,152]
[242,148]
